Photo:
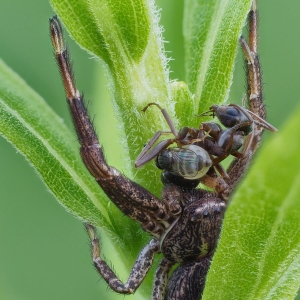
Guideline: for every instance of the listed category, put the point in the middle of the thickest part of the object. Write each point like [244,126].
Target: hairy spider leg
[133,200]
[161,279]
[225,186]
[138,272]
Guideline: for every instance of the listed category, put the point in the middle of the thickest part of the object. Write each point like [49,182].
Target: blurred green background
[44,251]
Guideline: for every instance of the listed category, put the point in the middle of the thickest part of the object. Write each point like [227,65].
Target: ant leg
[262,122]
[138,272]
[145,157]
[147,154]
[228,143]
[166,116]
[132,199]
[161,279]
[250,115]
[237,154]
[221,171]
[202,135]
[217,183]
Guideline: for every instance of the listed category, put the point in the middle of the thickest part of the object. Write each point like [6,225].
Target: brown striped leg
[133,200]
[138,272]
[161,279]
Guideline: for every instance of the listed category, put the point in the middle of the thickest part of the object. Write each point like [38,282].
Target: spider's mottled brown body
[185,223]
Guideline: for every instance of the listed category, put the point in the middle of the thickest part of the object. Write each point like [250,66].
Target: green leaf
[39,134]
[102,27]
[211,31]
[184,103]
[258,254]
[111,16]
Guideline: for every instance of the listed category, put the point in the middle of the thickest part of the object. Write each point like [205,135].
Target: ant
[199,149]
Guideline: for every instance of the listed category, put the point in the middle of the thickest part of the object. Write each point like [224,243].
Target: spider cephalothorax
[185,223]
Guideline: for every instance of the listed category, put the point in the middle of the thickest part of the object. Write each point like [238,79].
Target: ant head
[228,115]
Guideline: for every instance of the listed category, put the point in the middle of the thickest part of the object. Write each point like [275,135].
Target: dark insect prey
[199,149]
[185,223]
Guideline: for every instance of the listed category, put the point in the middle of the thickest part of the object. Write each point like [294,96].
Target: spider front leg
[236,170]
[138,272]
[133,200]
[255,101]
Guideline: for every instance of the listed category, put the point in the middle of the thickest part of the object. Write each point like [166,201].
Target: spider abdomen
[188,280]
